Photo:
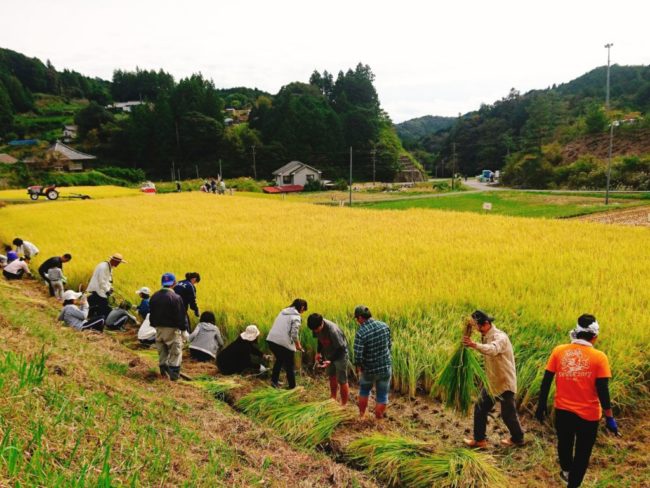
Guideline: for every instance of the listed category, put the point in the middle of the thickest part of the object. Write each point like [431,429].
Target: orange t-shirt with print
[576,369]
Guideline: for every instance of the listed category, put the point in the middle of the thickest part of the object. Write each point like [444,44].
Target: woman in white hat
[242,354]
[143,309]
[75,313]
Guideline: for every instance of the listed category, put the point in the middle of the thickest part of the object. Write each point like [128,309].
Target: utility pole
[173,171]
[608,46]
[374,159]
[609,158]
[197,171]
[254,167]
[453,166]
[350,182]
[220,173]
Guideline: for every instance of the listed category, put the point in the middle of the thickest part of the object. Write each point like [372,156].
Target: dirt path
[633,216]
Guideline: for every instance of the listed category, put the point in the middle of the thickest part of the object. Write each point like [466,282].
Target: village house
[124,106]
[61,157]
[296,173]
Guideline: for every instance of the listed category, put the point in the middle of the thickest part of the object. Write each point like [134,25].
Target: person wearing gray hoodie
[205,340]
[284,340]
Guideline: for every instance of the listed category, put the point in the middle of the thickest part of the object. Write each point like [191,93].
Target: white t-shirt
[15,266]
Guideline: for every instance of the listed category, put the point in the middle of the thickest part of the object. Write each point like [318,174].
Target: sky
[429,58]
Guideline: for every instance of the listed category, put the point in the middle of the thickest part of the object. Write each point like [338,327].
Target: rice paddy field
[420,270]
[93,191]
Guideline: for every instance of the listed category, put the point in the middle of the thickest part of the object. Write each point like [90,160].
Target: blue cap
[168,279]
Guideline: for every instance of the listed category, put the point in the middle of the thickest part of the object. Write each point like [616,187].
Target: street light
[609,158]
[608,46]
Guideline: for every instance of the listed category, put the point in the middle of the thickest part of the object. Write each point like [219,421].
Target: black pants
[118,324]
[200,355]
[283,359]
[508,413]
[94,323]
[11,276]
[573,431]
[49,284]
[98,306]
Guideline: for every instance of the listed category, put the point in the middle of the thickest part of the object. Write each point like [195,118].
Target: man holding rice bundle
[502,378]
[582,395]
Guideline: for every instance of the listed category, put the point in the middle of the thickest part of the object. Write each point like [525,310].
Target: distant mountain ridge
[412,130]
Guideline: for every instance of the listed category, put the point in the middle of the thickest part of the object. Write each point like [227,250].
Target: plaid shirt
[372,345]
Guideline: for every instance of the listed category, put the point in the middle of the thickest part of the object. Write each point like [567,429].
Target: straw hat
[117,257]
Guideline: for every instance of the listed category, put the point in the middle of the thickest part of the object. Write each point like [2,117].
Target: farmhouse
[296,173]
[124,106]
[61,157]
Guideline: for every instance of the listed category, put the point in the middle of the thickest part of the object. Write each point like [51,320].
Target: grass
[516,204]
[306,424]
[402,461]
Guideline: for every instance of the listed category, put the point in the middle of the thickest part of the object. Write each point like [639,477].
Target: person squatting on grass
[372,358]
[143,309]
[118,317]
[332,354]
[25,248]
[205,340]
[284,339]
[168,317]
[502,378]
[75,313]
[16,269]
[48,264]
[581,395]
[100,286]
[242,354]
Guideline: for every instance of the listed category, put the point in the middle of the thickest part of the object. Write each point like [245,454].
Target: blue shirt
[372,344]
[143,308]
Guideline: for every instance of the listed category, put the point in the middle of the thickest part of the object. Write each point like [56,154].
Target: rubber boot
[363,405]
[380,408]
[164,371]
[334,386]
[345,393]
[174,372]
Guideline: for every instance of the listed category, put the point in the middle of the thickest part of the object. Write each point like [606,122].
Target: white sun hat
[71,295]
[251,333]
[145,290]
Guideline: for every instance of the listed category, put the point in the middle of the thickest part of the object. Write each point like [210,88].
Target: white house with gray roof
[296,173]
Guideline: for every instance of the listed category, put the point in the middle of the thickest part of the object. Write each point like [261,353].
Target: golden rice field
[107,191]
[419,270]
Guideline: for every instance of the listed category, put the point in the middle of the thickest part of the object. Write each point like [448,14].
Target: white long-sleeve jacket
[102,280]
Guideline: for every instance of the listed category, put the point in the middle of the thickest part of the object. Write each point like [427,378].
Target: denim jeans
[381,382]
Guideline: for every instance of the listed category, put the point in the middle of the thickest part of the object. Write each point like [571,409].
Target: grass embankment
[81,410]
[518,204]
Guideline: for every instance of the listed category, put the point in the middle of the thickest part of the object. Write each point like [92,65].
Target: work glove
[611,425]
[541,412]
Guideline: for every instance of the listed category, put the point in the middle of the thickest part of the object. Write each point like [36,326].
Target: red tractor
[50,192]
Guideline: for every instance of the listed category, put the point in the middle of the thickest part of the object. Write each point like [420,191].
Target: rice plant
[409,462]
[218,388]
[306,424]
[462,378]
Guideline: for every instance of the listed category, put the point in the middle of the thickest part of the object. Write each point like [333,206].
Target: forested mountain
[181,124]
[518,129]
[412,130]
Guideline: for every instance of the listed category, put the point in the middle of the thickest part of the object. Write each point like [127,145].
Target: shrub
[246,184]
[313,186]
[341,185]
[133,175]
[86,178]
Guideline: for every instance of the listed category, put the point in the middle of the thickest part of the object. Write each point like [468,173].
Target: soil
[632,216]
[625,143]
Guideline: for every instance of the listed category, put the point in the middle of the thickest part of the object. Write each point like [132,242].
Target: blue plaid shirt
[372,345]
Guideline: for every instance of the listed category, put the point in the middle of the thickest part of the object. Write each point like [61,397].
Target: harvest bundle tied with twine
[462,378]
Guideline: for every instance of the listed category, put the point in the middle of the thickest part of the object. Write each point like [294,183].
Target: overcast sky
[428,57]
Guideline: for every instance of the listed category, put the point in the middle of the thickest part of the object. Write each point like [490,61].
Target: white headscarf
[593,328]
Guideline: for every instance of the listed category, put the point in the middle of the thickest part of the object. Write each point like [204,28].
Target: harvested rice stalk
[218,388]
[461,380]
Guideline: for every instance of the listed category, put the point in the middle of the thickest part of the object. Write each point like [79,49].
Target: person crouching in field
[167,316]
[284,339]
[75,313]
[242,355]
[502,377]
[187,290]
[581,396]
[118,317]
[372,357]
[16,269]
[332,354]
[143,309]
[205,340]
[25,248]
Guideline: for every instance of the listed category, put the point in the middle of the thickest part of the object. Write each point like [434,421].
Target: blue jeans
[380,381]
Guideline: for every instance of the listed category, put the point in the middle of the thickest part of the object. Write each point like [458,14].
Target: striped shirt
[372,345]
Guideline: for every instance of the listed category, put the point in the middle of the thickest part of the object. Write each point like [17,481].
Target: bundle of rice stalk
[385,456]
[462,378]
[217,388]
[457,468]
[308,424]
[262,400]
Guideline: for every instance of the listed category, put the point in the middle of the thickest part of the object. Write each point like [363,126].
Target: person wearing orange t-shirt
[582,395]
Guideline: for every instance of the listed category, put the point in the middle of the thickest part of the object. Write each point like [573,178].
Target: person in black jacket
[54,262]
[242,354]
[187,290]
[167,315]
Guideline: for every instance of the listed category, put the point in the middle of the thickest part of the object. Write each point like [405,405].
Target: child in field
[57,280]
[118,317]
[143,309]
